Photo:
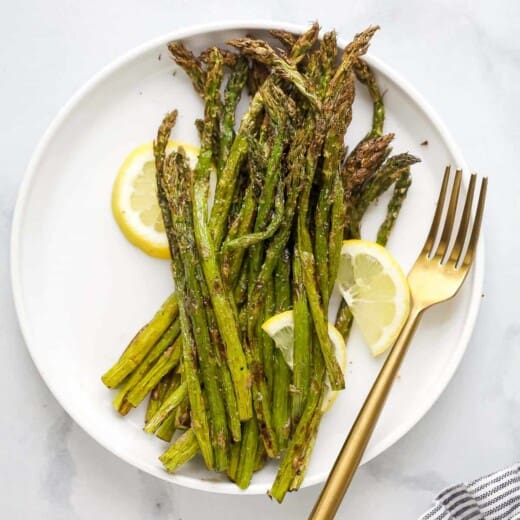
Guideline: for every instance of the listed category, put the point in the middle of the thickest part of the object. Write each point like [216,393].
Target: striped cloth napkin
[493,497]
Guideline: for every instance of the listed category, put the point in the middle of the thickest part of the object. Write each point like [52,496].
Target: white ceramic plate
[81,290]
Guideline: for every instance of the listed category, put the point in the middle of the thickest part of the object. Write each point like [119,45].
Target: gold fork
[436,276]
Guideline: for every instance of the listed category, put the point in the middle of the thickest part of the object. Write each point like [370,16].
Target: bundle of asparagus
[287,194]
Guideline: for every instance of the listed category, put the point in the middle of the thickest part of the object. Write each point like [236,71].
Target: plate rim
[85,89]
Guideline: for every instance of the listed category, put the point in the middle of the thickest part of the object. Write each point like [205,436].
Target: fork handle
[352,451]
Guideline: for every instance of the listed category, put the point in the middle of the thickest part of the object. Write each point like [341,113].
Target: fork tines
[459,255]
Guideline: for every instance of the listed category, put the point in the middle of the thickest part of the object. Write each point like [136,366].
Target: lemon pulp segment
[376,291]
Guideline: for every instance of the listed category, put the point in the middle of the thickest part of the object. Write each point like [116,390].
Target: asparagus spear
[292,459]
[247,240]
[241,285]
[304,43]
[263,52]
[296,45]
[304,456]
[304,248]
[266,343]
[224,376]
[231,260]
[224,312]
[125,407]
[228,176]
[286,38]
[166,340]
[234,217]
[229,58]
[279,106]
[365,75]
[142,343]
[312,70]
[260,390]
[182,415]
[167,428]
[199,420]
[352,52]
[344,320]
[260,455]
[394,207]
[302,343]
[228,393]
[232,95]
[281,372]
[296,162]
[361,165]
[234,460]
[191,65]
[199,125]
[320,65]
[327,58]
[370,153]
[248,449]
[213,104]
[167,408]
[267,199]
[183,226]
[156,397]
[337,381]
[258,73]
[181,451]
[168,360]
[338,214]
[333,150]
[389,172]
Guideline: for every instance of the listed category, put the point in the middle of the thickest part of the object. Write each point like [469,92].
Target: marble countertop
[464,56]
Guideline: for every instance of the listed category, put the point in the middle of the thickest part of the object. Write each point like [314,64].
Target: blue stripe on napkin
[493,497]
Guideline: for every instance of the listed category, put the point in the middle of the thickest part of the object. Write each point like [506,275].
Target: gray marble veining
[60,470]
[464,56]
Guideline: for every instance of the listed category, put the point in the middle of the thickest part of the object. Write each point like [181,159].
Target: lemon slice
[134,198]
[376,291]
[280,328]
